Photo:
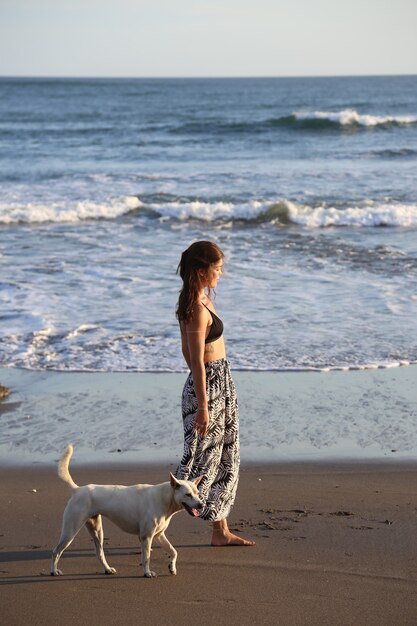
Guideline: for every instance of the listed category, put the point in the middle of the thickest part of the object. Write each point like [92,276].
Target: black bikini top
[216,328]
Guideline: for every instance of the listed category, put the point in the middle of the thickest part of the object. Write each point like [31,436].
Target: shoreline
[125,418]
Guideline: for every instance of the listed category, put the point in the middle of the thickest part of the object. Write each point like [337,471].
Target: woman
[209,405]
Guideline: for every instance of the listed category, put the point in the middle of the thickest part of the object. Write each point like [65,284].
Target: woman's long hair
[199,256]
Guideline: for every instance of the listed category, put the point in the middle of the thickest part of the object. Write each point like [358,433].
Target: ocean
[307,184]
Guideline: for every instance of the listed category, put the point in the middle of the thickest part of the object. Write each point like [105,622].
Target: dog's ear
[198,480]
[174,482]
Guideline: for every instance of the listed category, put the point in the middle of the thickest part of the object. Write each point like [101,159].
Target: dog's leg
[146,544]
[56,554]
[171,551]
[95,528]
[72,523]
[67,537]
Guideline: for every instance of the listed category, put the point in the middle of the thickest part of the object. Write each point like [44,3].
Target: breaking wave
[348,117]
[38,213]
[299,120]
[404,215]
[166,208]
[286,212]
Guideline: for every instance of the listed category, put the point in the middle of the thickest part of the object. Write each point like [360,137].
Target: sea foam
[210,211]
[286,212]
[404,215]
[37,213]
[279,211]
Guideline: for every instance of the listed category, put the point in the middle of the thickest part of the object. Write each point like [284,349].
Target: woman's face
[213,274]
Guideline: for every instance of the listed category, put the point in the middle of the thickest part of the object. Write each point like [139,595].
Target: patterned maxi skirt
[216,456]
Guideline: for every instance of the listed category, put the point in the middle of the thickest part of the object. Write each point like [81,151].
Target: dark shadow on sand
[71,578]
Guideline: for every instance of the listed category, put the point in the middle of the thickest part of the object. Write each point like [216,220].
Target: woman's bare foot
[223,537]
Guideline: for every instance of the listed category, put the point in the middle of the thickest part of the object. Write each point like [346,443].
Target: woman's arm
[195,334]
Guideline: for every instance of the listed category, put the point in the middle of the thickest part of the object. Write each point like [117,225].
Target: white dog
[143,510]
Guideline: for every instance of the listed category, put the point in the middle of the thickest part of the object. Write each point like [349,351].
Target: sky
[181,38]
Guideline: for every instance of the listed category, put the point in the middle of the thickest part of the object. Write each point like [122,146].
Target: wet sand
[336,544]
[136,417]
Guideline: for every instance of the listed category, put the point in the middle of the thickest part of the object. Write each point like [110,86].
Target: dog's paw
[57,572]
[172,570]
[110,571]
[150,574]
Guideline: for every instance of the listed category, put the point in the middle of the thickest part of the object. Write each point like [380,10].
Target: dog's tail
[63,471]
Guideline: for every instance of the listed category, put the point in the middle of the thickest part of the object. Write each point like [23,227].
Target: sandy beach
[335,545]
[329,495]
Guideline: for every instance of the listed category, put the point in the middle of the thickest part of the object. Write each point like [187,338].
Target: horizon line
[196,77]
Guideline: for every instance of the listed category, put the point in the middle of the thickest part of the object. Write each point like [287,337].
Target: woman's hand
[202,419]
